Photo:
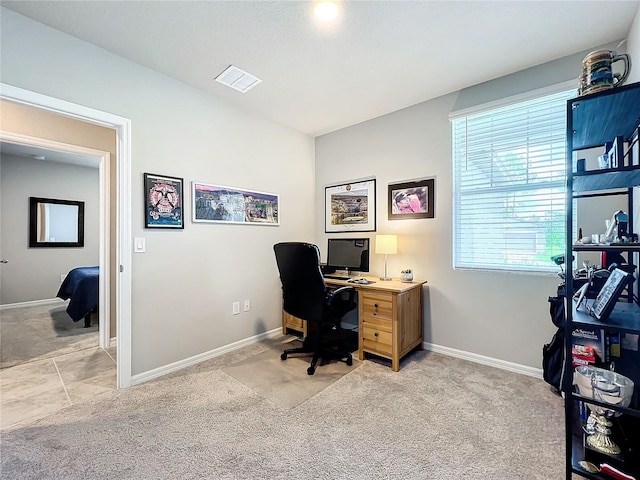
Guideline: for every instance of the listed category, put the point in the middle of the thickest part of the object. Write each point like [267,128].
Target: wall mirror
[55,223]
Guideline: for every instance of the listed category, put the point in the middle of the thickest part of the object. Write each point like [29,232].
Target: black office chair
[305,296]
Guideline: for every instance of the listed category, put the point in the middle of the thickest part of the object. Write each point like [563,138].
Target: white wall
[184,285]
[633,48]
[500,315]
[34,273]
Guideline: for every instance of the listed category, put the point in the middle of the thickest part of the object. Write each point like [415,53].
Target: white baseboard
[33,303]
[187,362]
[492,362]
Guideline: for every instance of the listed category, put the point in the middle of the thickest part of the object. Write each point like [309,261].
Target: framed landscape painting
[220,204]
[351,207]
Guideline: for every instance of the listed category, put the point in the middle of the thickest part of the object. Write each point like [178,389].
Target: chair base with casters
[321,350]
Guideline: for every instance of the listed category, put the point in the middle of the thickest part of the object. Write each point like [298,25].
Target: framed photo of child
[413,199]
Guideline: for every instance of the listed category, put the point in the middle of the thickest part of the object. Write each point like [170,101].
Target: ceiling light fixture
[326,11]
[237,79]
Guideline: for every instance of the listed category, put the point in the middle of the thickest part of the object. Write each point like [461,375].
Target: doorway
[59,153]
[120,264]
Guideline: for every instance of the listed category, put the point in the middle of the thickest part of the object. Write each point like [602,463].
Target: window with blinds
[509,185]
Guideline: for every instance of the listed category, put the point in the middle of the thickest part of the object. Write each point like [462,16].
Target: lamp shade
[386,244]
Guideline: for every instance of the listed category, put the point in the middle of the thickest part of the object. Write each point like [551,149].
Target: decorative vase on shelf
[406,276]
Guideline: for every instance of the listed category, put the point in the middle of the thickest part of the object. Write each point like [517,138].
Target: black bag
[556,310]
[553,353]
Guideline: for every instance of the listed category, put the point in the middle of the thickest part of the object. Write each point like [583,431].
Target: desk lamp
[386,245]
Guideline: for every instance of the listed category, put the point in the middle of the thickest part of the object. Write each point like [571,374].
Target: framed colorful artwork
[163,201]
[220,204]
[350,207]
[411,199]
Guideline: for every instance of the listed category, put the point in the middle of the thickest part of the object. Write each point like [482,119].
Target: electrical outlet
[236,308]
[247,305]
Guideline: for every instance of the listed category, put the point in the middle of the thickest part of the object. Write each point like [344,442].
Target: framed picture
[163,201]
[220,204]
[634,148]
[411,199]
[608,295]
[350,207]
[616,153]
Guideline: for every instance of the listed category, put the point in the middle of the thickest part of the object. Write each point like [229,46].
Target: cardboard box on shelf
[582,355]
[589,346]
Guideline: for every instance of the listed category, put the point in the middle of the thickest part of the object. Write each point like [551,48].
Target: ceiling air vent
[237,79]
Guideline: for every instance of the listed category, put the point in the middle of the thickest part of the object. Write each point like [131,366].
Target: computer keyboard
[336,277]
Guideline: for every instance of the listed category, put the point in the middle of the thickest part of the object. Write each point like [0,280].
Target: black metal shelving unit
[592,121]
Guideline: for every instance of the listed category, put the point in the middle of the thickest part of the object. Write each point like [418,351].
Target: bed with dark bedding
[81,287]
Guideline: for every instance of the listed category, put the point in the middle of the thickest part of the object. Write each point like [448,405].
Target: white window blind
[509,185]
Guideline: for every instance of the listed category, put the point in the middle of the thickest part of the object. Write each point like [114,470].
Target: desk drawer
[378,304]
[294,323]
[377,338]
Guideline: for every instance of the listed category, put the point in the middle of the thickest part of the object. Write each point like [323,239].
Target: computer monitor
[348,254]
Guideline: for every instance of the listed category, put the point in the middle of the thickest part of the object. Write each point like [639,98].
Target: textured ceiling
[379,57]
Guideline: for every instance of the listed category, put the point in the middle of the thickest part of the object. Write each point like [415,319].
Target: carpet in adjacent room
[42,331]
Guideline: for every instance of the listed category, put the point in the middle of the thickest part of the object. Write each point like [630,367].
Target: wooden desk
[390,320]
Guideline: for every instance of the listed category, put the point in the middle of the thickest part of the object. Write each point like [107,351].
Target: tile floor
[39,388]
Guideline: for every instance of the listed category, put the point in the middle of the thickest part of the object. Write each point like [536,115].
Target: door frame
[104,305]
[122,237]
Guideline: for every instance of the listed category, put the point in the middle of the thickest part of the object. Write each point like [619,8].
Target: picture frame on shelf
[350,207]
[163,201]
[606,299]
[222,204]
[412,199]
[634,148]
[616,153]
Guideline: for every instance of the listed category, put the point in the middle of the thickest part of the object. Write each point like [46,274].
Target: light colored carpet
[286,383]
[438,418]
[42,331]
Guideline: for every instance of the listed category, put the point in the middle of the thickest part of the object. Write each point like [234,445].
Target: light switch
[139,245]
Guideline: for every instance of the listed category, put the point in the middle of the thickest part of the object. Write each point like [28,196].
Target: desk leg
[395,363]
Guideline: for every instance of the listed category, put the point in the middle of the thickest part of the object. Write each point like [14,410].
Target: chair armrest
[340,305]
